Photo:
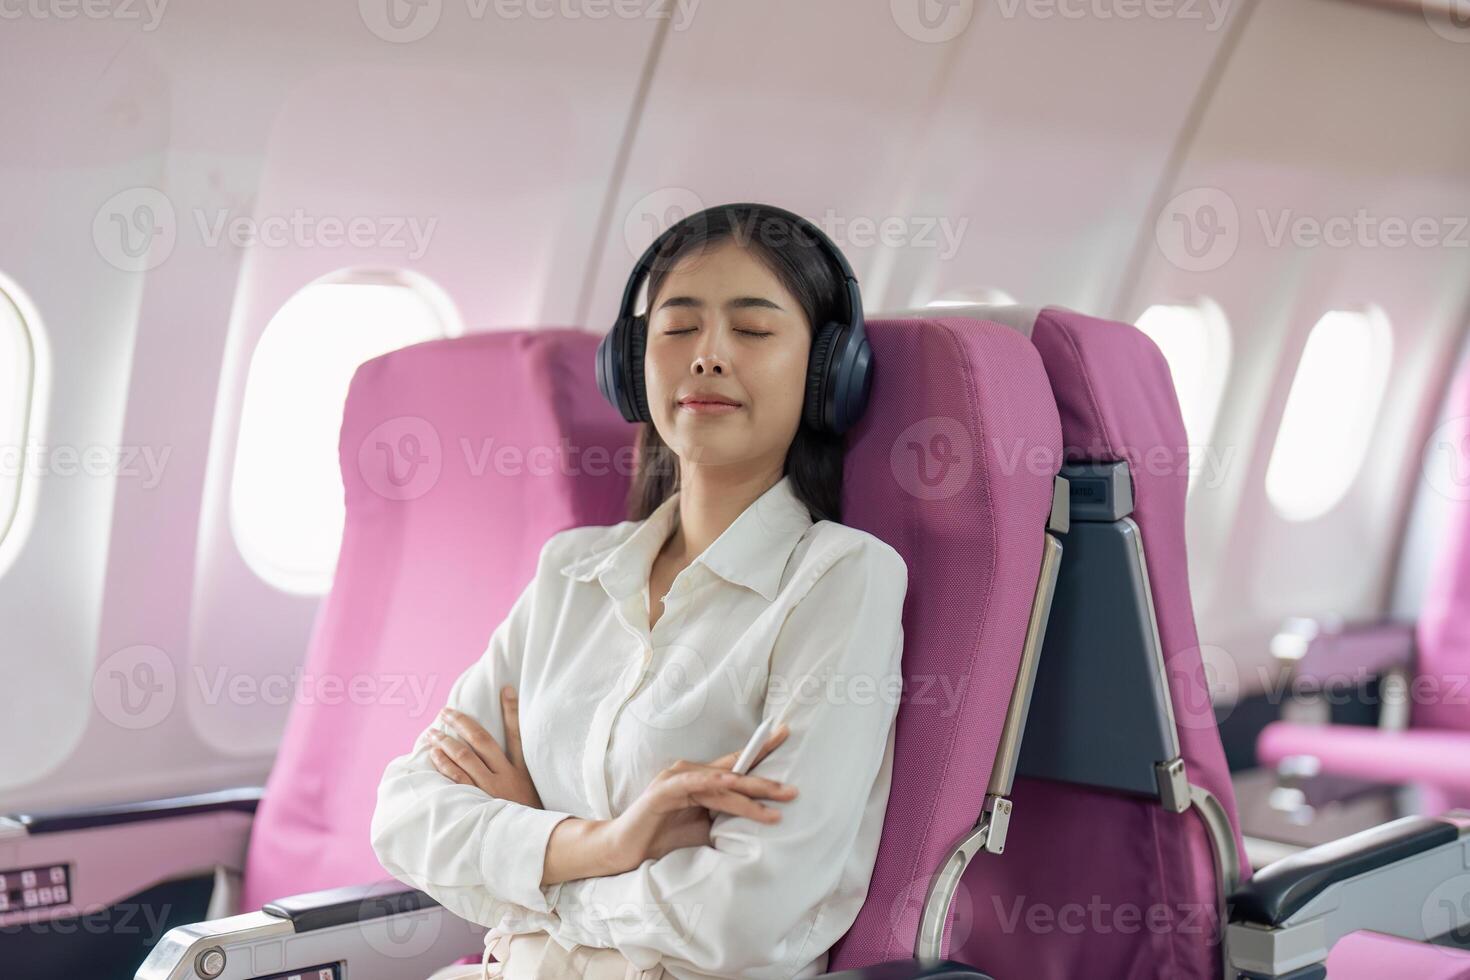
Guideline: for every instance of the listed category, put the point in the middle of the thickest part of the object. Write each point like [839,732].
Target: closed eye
[748,333]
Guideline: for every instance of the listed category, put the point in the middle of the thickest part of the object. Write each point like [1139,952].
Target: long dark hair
[814,461]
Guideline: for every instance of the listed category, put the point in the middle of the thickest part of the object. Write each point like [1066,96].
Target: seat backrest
[953,465]
[1443,632]
[1107,872]
[459,459]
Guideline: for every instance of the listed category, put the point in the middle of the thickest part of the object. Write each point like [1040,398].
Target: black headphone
[839,370]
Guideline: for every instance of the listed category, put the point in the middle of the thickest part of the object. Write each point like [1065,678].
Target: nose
[709,364]
[708,359]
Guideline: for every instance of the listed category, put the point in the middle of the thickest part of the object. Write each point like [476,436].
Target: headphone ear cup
[619,373]
[637,345]
[818,374]
[607,367]
[856,382]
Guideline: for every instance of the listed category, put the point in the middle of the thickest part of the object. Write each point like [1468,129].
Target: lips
[707,405]
[711,400]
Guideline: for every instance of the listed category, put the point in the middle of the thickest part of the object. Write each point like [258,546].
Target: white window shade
[1330,410]
[286,509]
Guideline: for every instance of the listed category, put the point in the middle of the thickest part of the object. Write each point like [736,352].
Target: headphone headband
[851,297]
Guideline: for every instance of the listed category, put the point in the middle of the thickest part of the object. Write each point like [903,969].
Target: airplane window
[17,403]
[1329,412]
[1195,340]
[286,508]
[968,297]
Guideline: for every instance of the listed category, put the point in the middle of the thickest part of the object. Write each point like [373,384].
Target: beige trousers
[536,956]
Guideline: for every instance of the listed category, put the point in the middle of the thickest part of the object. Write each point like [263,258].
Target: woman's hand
[675,810]
[472,757]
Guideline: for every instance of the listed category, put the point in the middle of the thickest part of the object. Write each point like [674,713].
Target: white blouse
[780,617]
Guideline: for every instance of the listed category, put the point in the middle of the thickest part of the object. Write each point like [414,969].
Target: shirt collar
[752,551]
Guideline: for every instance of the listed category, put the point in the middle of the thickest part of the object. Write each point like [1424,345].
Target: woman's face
[723,323]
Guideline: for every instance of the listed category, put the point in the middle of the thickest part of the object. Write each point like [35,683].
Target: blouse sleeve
[476,855]
[748,904]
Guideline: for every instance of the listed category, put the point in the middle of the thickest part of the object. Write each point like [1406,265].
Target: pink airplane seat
[1433,752]
[954,465]
[455,466]
[1148,845]
[1125,841]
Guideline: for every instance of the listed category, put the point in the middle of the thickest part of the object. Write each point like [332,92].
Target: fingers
[727,792]
[509,711]
[737,805]
[473,734]
[756,786]
[462,757]
[447,768]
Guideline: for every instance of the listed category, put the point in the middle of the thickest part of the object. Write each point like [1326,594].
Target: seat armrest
[353,903]
[384,930]
[241,800]
[1334,656]
[1406,879]
[1281,889]
[909,969]
[109,857]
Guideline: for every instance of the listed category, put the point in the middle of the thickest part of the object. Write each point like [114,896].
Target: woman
[577,793]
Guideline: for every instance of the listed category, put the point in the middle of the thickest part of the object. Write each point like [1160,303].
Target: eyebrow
[739,303]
